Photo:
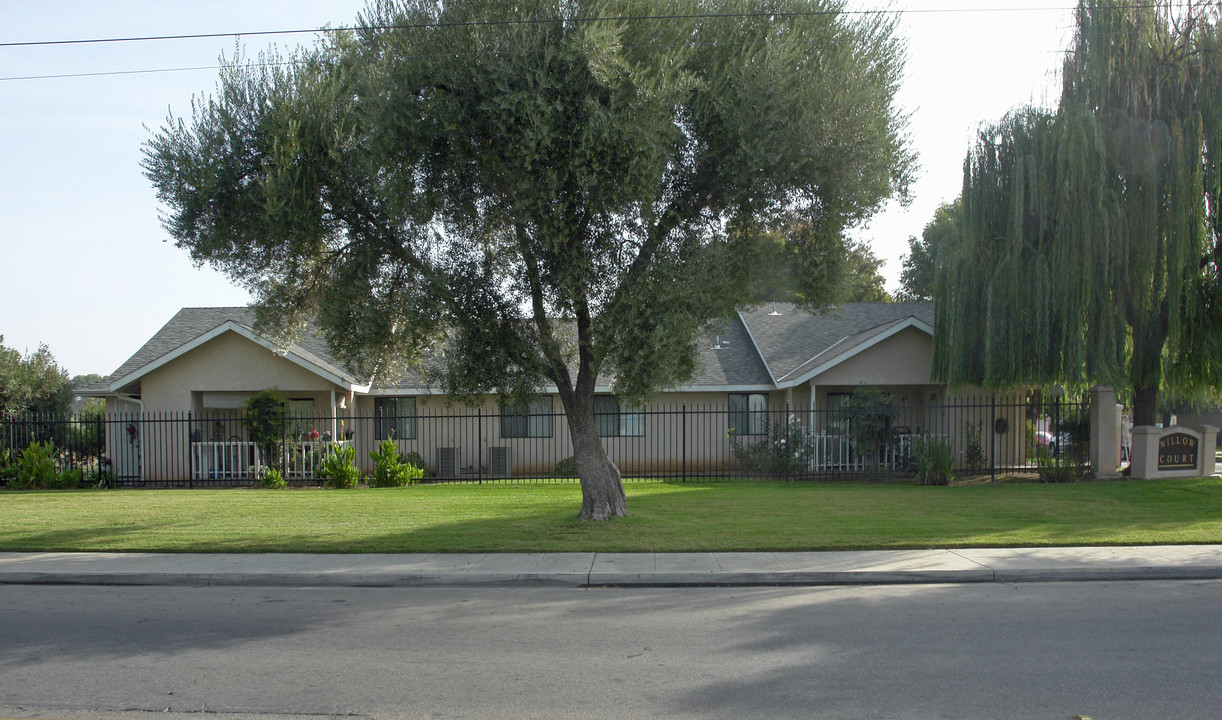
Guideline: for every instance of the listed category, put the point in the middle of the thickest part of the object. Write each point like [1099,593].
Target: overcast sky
[87,270]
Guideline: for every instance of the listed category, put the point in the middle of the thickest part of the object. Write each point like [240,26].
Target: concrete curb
[889,567]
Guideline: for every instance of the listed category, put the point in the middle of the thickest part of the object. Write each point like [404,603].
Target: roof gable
[192,327]
[773,346]
[796,345]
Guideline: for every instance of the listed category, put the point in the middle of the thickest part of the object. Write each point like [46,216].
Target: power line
[235,35]
[114,72]
[540,21]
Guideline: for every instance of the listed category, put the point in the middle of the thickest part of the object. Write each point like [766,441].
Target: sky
[87,269]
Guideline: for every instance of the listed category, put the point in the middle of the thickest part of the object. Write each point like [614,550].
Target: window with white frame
[532,419]
[394,417]
[748,413]
[612,420]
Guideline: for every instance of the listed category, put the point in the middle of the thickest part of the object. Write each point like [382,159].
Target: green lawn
[664,517]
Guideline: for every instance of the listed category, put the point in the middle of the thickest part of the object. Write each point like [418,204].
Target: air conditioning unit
[499,462]
[447,462]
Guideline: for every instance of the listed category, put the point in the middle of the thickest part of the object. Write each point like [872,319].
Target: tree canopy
[32,383]
[919,272]
[533,193]
[1089,248]
[848,271]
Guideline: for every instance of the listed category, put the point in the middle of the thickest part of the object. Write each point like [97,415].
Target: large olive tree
[529,193]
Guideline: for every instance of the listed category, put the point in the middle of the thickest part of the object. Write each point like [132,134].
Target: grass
[664,517]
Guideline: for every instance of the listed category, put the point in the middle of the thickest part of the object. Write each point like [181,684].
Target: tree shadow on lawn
[699,519]
[655,524]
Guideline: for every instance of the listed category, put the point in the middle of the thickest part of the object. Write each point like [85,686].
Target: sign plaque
[1178,451]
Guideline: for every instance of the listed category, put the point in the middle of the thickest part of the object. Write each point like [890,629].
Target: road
[1103,650]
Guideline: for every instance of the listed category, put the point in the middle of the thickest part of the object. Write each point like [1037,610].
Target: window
[394,417]
[531,420]
[837,414]
[748,413]
[301,420]
[611,421]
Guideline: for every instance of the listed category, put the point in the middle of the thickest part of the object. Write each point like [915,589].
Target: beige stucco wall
[900,365]
[668,435]
[902,359]
[229,362]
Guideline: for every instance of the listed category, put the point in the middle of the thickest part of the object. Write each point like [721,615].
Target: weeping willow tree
[1089,251]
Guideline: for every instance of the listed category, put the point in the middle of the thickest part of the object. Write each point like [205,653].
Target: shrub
[780,451]
[935,462]
[1031,442]
[67,479]
[265,418]
[84,435]
[974,456]
[35,467]
[1075,437]
[414,459]
[8,466]
[390,470]
[339,467]
[869,413]
[273,479]
[100,475]
[1056,469]
[566,468]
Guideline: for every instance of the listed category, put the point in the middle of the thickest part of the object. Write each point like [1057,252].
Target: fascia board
[403,392]
[909,322]
[600,389]
[231,326]
[722,388]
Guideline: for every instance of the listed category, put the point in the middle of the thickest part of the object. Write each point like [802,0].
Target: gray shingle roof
[728,358]
[794,341]
[773,344]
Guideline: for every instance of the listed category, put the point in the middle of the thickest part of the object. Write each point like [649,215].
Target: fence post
[992,438]
[101,440]
[479,445]
[1056,426]
[284,442]
[190,474]
[788,449]
[683,442]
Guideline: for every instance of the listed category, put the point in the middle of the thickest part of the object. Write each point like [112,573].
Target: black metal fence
[985,436]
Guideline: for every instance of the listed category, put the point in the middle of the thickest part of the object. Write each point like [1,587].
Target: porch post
[334,413]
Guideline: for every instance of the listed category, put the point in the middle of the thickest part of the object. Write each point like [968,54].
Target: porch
[243,459]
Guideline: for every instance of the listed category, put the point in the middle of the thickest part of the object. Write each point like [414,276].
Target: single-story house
[770,364]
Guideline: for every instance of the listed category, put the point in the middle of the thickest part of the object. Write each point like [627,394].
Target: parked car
[1056,444]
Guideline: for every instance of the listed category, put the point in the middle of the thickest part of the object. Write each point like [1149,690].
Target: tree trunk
[602,492]
[1145,402]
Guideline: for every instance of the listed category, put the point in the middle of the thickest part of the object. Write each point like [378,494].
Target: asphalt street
[982,650]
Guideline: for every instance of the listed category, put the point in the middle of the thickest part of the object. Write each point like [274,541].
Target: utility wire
[539,21]
[112,72]
[44,43]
